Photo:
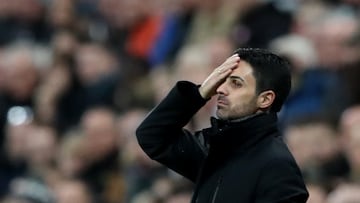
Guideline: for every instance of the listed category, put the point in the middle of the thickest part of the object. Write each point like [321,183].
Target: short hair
[271,72]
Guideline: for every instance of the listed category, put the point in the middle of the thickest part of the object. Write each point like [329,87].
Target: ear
[265,99]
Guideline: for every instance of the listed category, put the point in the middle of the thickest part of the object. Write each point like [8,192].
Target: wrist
[204,93]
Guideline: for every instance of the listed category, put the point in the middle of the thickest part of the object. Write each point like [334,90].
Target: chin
[225,116]
[221,115]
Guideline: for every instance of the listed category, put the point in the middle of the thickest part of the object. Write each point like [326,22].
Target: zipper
[216,189]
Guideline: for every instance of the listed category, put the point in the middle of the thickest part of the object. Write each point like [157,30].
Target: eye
[236,83]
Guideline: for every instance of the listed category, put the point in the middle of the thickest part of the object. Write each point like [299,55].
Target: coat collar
[225,136]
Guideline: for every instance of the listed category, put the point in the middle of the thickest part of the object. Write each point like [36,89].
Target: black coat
[231,162]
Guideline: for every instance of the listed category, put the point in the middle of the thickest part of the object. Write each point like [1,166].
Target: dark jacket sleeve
[282,183]
[161,134]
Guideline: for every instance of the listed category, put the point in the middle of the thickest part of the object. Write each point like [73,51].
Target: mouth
[221,101]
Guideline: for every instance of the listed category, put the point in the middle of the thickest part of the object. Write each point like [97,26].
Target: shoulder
[277,157]
[272,156]
[275,147]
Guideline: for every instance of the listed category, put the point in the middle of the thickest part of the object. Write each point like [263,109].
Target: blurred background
[78,76]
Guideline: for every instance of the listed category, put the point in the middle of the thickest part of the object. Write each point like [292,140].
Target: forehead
[244,70]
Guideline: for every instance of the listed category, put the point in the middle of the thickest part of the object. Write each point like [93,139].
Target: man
[242,157]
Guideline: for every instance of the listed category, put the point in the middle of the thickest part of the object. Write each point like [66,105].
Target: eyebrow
[237,77]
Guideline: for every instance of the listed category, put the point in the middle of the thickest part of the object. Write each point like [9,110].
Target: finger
[233,59]
[224,73]
[234,55]
[228,65]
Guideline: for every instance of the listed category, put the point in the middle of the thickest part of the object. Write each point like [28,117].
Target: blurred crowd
[78,76]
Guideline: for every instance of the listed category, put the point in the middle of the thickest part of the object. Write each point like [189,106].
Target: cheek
[244,98]
[246,104]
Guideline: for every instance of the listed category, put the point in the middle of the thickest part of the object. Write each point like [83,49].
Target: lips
[222,101]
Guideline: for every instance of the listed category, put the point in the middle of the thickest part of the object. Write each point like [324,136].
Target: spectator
[140,171]
[103,171]
[350,122]
[95,79]
[309,96]
[314,146]
[345,193]
[18,62]
[13,156]
[72,191]
[317,194]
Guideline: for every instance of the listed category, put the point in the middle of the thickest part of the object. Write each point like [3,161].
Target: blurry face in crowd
[41,148]
[61,13]
[316,194]
[100,132]
[125,13]
[20,65]
[92,63]
[311,143]
[349,192]
[332,42]
[350,135]
[72,157]
[72,192]
[219,48]
[192,64]
[237,95]
[16,139]
[353,147]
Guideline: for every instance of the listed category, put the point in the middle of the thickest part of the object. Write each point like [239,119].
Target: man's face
[237,94]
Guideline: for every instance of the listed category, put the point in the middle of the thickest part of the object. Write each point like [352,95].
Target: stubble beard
[236,112]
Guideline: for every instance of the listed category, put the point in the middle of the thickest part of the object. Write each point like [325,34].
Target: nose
[222,89]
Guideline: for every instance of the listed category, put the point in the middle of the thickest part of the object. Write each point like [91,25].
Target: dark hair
[271,72]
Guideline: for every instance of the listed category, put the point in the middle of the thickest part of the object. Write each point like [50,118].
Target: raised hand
[218,76]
